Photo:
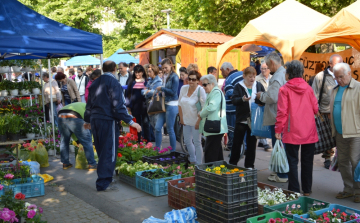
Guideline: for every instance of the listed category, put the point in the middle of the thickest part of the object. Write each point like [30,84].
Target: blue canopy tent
[82,60]
[117,58]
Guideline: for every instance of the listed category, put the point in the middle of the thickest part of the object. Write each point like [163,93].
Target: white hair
[344,67]
[60,68]
[210,78]
[273,56]
[335,55]
[227,65]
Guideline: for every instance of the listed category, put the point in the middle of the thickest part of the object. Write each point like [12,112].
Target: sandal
[342,195]
[357,198]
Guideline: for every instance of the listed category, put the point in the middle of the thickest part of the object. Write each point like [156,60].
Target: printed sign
[164,40]
[350,56]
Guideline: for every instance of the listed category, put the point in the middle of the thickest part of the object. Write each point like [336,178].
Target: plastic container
[34,186]
[215,211]
[167,159]
[178,196]
[264,186]
[34,166]
[126,179]
[305,202]
[264,218]
[155,187]
[345,209]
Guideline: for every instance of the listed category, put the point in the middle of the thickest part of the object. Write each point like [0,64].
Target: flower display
[8,215]
[276,196]
[279,220]
[333,216]
[222,169]
[20,196]
[9,176]
[131,169]
[296,208]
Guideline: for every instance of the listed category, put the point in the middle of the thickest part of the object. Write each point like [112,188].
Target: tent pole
[51,105]
[101,62]
[42,98]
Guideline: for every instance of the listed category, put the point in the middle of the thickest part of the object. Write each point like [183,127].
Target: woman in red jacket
[297,106]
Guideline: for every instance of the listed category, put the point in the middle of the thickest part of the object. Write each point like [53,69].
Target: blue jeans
[273,140]
[168,117]
[231,120]
[69,126]
[67,101]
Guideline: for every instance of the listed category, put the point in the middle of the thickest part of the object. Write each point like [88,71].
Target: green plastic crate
[305,202]
[264,218]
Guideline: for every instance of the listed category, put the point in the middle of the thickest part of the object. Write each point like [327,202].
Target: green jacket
[77,108]
[211,111]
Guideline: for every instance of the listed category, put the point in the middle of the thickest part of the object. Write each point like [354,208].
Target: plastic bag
[25,155]
[186,215]
[46,177]
[334,163]
[42,155]
[34,166]
[59,107]
[357,173]
[278,160]
[257,117]
[81,161]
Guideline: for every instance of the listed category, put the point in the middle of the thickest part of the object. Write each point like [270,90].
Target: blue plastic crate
[345,209]
[155,187]
[34,186]
[2,191]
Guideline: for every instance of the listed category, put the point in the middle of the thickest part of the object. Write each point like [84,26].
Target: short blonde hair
[192,66]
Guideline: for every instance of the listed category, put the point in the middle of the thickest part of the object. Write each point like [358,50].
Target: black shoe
[327,164]
[67,166]
[260,144]
[266,147]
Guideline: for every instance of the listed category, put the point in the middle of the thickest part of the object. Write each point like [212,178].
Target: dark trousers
[239,133]
[213,148]
[307,159]
[105,133]
[144,122]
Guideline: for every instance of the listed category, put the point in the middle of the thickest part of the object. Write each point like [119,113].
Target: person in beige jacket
[68,89]
[55,95]
[345,123]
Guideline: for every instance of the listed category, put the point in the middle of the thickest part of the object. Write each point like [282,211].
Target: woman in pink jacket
[296,109]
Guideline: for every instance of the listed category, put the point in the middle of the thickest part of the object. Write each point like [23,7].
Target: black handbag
[214,126]
[157,104]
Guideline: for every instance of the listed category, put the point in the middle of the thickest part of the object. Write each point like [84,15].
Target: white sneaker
[273,174]
[277,179]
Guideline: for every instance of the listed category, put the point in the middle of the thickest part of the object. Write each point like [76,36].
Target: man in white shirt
[81,81]
[124,75]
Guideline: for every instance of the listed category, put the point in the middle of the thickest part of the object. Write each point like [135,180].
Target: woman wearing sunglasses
[191,100]
[214,109]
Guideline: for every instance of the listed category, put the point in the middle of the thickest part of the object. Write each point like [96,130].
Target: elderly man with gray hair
[345,119]
[324,82]
[233,76]
[270,98]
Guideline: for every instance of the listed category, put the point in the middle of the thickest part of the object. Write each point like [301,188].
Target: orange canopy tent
[344,27]
[277,28]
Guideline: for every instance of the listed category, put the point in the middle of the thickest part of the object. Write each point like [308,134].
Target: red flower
[129,144]
[20,196]
[119,155]
[141,147]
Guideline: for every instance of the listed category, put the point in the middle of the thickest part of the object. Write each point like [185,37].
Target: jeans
[67,101]
[192,139]
[307,162]
[240,131]
[273,141]
[82,97]
[143,121]
[153,119]
[47,113]
[168,117]
[231,120]
[69,126]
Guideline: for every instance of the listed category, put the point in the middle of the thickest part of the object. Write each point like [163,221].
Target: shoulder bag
[157,104]
[214,126]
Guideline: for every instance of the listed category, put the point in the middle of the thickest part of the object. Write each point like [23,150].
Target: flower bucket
[24,92]
[4,93]
[14,92]
[5,69]
[14,137]
[30,135]
[3,138]
[36,91]
[16,69]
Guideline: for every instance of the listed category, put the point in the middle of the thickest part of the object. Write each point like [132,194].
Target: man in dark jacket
[105,108]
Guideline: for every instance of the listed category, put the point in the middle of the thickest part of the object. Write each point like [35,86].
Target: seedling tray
[264,218]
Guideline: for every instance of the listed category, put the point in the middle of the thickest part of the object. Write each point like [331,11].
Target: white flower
[27,204]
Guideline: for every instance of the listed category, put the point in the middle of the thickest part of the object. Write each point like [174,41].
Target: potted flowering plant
[35,87]
[4,124]
[15,126]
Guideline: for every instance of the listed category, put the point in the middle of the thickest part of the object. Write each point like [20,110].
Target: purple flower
[31,110]
[121,146]
[51,140]
[59,136]
[8,215]
[1,187]
[41,210]
[173,157]
[46,141]
[168,158]
[57,145]
[56,140]
[32,207]
[31,214]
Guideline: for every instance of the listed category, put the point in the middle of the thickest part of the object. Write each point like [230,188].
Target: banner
[350,56]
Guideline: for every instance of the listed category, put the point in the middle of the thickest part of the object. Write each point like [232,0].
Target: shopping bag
[178,128]
[326,141]
[357,173]
[81,161]
[278,160]
[334,163]
[257,117]
[59,107]
[157,104]
[42,156]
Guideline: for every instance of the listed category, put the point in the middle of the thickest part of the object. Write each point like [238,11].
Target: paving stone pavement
[61,206]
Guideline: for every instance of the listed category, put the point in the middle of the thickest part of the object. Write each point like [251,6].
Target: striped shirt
[234,77]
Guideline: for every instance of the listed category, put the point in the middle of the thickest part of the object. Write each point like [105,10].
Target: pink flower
[41,210]
[149,144]
[284,220]
[180,172]
[178,167]
[338,210]
[293,206]
[8,176]
[8,215]
[1,187]
[194,173]
[135,146]
[272,220]
[31,214]
[121,146]
[32,207]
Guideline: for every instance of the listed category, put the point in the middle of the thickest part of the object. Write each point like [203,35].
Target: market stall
[82,60]
[118,58]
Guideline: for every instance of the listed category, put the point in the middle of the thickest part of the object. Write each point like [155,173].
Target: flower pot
[72,148]
[27,69]
[14,92]
[36,91]
[30,135]
[16,69]
[4,93]
[3,138]
[24,92]
[14,136]
[51,152]
[5,69]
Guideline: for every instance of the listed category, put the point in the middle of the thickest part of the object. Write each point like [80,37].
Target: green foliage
[4,124]
[131,169]
[16,123]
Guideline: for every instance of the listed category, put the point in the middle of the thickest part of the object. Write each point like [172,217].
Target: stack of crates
[225,198]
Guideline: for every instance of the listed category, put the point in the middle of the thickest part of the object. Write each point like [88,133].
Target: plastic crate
[305,202]
[345,209]
[167,159]
[126,179]
[179,198]
[211,211]
[34,186]
[264,186]
[264,218]
[155,187]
